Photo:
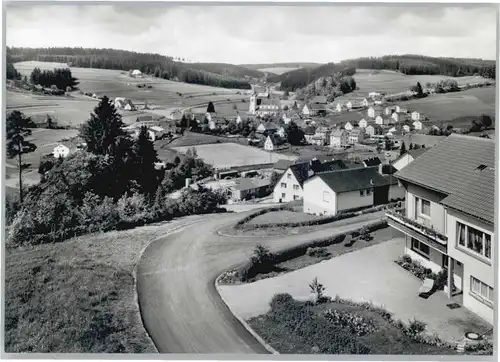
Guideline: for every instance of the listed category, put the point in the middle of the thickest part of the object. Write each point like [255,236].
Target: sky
[258,33]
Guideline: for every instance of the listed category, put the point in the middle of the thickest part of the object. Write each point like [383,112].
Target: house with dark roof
[248,188]
[448,220]
[289,186]
[328,193]
[282,165]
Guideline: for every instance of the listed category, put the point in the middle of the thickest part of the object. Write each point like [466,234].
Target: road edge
[242,322]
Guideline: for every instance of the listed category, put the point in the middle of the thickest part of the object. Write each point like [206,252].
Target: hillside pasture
[445,107]
[226,155]
[391,82]
[116,83]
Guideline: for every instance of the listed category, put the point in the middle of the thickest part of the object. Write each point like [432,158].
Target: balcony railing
[399,217]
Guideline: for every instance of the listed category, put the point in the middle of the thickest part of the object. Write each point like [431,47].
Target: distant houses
[124,103]
[339,138]
[417,125]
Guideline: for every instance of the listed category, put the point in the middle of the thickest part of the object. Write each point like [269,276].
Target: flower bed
[415,267]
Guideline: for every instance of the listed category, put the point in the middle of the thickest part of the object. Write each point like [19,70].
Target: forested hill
[418,64]
[161,66]
[300,78]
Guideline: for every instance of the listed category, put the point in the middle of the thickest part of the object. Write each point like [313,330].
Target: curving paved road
[180,307]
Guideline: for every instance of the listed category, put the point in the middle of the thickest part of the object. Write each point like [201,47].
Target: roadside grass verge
[78,296]
[341,327]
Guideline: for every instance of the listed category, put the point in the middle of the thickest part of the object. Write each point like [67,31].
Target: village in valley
[158,205]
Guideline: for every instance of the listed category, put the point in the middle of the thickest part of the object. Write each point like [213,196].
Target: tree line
[114,183]
[60,77]
[148,63]
[417,65]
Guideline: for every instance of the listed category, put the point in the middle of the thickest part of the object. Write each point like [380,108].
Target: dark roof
[374,161]
[283,165]
[317,107]
[301,171]
[354,179]
[476,197]
[453,167]
[319,100]
[250,184]
[328,166]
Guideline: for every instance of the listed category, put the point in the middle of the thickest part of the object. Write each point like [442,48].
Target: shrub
[406,258]
[441,280]
[483,347]
[415,328]
[347,320]
[261,255]
[318,252]
[280,301]
[318,289]
[133,210]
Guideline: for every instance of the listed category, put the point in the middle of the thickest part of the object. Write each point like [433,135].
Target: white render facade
[469,263]
[288,188]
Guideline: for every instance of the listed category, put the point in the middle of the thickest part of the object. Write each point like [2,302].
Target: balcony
[397,218]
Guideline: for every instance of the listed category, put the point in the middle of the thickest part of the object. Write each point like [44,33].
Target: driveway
[180,307]
[366,275]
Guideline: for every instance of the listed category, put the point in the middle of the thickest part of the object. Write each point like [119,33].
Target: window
[420,248]
[295,187]
[283,185]
[480,289]
[283,195]
[426,207]
[368,192]
[474,240]
[296,197]
[361,192]
[288,176]
[326,196]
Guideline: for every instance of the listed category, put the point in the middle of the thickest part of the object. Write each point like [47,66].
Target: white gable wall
[288,188]
[319,199]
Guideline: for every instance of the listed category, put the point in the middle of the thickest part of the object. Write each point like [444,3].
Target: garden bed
[272,264]
[341,327]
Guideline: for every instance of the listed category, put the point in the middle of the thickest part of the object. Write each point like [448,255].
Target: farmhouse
[332,192]
[289,186]
[369,130]
[388,110]
[406,128]
[348,126]
[417,125]
[363,123]
[356,136]
[61,151]
[339,138]
[321,136]
[267,128]
[263,106]
[408,157]
[374,95]
[398,116]
[349,105]
[136,73]
[271,143]
[448,220]
[121,102]
[374,111]
[401,110]
[379,120]
[415,116]
[365,103]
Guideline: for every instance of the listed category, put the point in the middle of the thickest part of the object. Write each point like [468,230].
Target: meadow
[225,155]
[447,106]
[390,82]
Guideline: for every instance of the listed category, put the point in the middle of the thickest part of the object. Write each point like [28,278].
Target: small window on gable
[361,192]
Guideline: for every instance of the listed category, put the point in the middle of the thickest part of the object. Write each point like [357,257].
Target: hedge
[322,221]
[251,269]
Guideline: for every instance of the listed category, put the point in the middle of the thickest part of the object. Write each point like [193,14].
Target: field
[78,296]
[444,107]
[115,83]
[391,82]
[224,155]
[277,70]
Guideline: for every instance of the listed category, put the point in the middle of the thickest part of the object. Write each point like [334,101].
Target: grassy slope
[77,296]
